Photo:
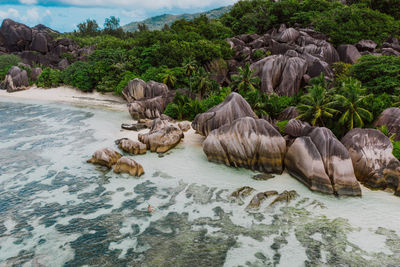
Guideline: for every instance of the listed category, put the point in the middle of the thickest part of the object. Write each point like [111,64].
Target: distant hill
[158,22]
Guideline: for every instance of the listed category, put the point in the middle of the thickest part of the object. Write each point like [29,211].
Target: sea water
[57,210]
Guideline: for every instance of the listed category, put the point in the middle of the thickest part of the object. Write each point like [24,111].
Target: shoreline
[70,95]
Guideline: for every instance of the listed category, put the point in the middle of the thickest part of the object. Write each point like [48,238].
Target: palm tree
[257,102]
[245,80]
[349,101]
[195,107]
[203,82]
[169,79]
[315,106]
[190,66]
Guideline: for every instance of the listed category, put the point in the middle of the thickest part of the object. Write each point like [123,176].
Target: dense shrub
[344,24]
[49,78]
[79,76]
[6,62]
[378,74]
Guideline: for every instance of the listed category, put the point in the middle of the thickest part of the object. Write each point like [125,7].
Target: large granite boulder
[35,73]
[372,155]
[138,89]
[127,165]
[288,114]
[16,80]
[391,119]
[366,45]
[297,128]
[16,36]
[105,157]
[132,147]
[232,108]
[281,74]
[149,108]
[321,162]
[162,137]
[40,43]
[348,53]
[247,142]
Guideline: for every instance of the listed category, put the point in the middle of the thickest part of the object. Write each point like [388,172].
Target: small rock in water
[259,198]
[263,176]
[285,197]
[105,157]
[133,127]
[242,192]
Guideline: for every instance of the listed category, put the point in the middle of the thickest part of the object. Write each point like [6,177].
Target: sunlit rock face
[232,108]
[281,74]
[247,142]
[127,165]
[391,119]
[149,108]
[105,157]
[138,89]
[320,161]
[162,137]
[132,147]
[16,79]
[373,160]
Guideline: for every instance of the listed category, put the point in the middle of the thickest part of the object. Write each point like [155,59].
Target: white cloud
[28,2]
[10,13]
[135,14]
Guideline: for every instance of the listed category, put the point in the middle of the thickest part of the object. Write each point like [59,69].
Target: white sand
[71,96]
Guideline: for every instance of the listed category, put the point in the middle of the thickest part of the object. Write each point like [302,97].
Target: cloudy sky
[64,15]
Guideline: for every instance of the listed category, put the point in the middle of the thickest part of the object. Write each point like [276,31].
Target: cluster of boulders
[286,59]
[313,155]
[38,45]
[108,157]
[149,100]
[17,78]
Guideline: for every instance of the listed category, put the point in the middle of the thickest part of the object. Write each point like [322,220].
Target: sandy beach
[71,96]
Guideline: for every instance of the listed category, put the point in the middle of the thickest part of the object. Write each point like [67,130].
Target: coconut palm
[349,102]
[203,82]
[169,79]
[245,80]
[316,105]
[190,66]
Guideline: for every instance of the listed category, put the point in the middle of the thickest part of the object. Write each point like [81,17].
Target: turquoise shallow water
[57,210]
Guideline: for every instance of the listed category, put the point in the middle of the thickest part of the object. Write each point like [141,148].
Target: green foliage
[88,27]
[390,7]
[245,80]
[282,125]
[344,24]
[340,69]
[126,77]
[260,54]
[79,75]
[316,106]
[183,107]
[376,104]
[6,62]
[49,78]
[396,149]
[349,99]
[267,105]
[378,74]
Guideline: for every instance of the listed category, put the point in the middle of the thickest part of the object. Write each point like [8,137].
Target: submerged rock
[259,198]
[105,157]
[391,119]
[372,155]
[321,162]
[233,107]
[249,143]
[127,165]
[285,197]
[242,193]
[162,137]
[132,147]
[263,176]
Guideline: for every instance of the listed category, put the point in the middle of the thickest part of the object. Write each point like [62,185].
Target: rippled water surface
[57,210]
